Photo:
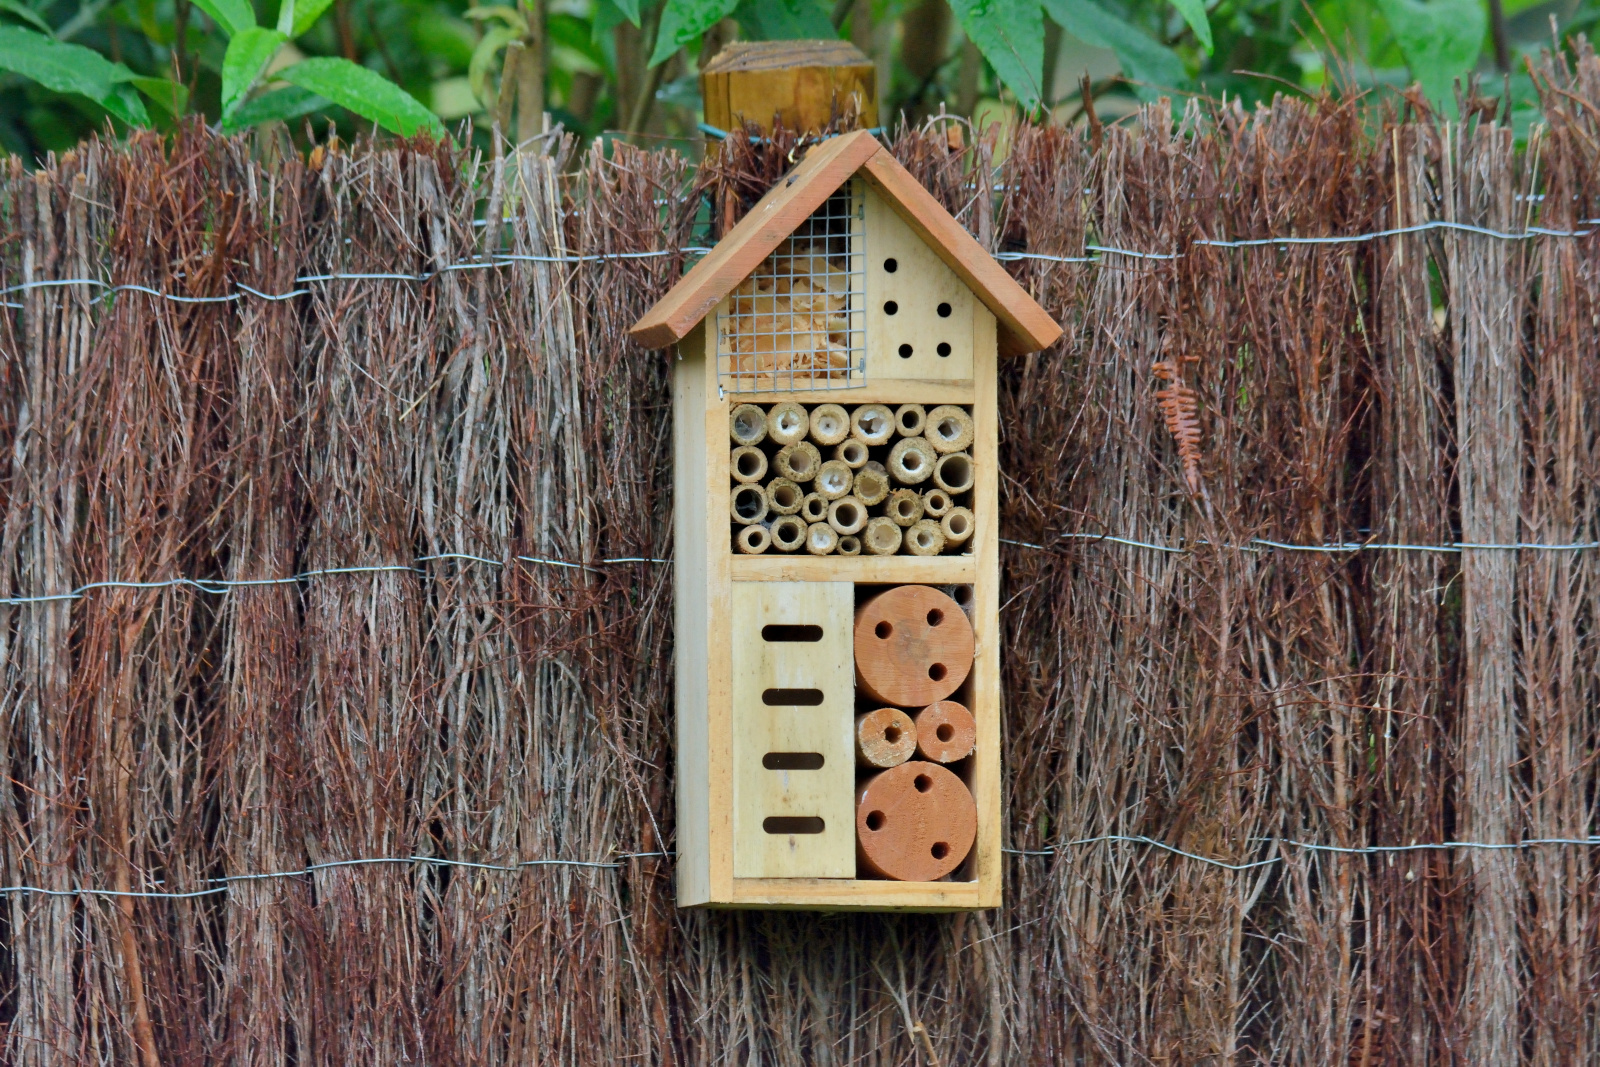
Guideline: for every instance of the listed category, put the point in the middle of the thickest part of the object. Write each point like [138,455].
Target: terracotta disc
[913,646]
[946,732]
[915,822]
[885,738]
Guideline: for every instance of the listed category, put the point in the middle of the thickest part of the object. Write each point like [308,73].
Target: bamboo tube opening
[957,528]
[872,424]
[798,462]
[953,473]
[882,537]
[935,502]
[872,484]
[814,508]
[905,507]
[847,515]
[747,424]
[909,419]
[754,540]
[949,429]
[911,461]
[788,533]
[749,504]
[925,538]
[834,480]
[852,453]
[748,464]
[849,545]
[787,423]
[784,497]
[821,539]
[829,424]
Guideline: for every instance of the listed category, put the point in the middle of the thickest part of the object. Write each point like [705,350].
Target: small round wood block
[913,646]
[885,738]
[946,732]
[915,822]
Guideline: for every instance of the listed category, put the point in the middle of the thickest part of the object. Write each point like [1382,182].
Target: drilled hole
[883,630]
[937,672]
[922,782]
[791,632]
[892,735]
[935,617]
[791,698]
[793,824]
[905,351]
[944,311]
[875,820]
[891,265]
[792,761]
[940,850]
[945,731]
[943,348]
[890,307]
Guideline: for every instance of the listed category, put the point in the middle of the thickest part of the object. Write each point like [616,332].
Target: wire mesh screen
[799,320]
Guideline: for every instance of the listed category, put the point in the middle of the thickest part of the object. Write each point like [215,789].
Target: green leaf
[1144,59]
[784,20]
[370,95]
[281,104]
[1010,34]
[1440,39]
[26,14]
[71,68]
[125,104]
[165,93]
[629,9]
[234,16]
[496,38]
[510,16]
[683,21]
[306,14]
[247,56]
[1194,13]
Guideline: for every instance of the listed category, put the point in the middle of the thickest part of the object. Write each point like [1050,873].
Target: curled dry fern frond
[1181,407]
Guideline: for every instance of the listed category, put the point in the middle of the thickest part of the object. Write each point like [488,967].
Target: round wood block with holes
[946,732]
[914,823]
[884,738]
[913,646]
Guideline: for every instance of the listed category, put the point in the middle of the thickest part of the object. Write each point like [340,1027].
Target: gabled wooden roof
[1024,326]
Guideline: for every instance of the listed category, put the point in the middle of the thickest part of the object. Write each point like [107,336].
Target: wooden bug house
[837,545]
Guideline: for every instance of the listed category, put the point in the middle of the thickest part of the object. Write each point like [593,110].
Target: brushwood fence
[333,529]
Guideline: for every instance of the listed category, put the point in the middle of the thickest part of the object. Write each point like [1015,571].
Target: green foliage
[247,56]
[368,94]
[1010,34]
[1441,39]
[683,22]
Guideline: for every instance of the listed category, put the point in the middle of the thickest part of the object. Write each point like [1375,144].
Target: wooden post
[801,83]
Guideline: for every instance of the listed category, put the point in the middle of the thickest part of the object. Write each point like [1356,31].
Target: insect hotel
[837,545]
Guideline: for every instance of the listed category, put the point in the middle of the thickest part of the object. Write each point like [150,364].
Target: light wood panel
[918,286]
[888,570]
[691,555]
[985,680]
[892,391]
[763,666]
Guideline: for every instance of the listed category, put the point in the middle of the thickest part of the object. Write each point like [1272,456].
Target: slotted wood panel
[760,793]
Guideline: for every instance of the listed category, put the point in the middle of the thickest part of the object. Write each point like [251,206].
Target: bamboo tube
[885,738]
[872,483]
[915,822]
[747,464]
[783,496]
[814,508]
[849,545]
[749,504]
[953,472]
[946,732]
[834,480]
[821,539]
[829,424]
[787,423]
[911,461]
[852,453]
[872,424]
[909,419]
[847,515]
[904,507]
[882,537]
[754,540]
[747,425]
[935,502]
[949,429]
[798,462]
[925,538]
[956,526]
[788,533]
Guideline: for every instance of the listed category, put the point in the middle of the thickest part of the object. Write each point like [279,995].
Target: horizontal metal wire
[1262,544]
[1307,846]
